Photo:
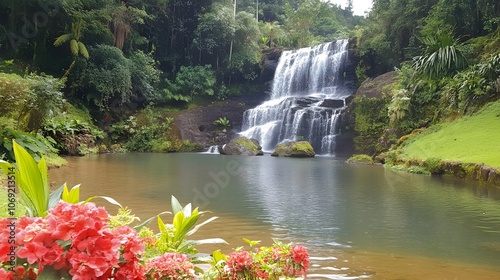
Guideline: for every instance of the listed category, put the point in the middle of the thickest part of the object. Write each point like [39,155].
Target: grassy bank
[471,139]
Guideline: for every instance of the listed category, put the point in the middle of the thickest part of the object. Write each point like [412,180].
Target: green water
[324,203]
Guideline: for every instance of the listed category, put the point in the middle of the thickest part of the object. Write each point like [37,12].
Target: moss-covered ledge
[294,149]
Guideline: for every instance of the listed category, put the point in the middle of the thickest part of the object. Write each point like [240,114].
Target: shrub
[192,81]
[360,158]
[418,170]
[434,165]
[13,92]
[108,77]
[35,144]
[30,100]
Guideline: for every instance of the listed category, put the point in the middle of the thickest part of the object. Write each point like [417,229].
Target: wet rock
[294,149]
[332,103]
[242,146]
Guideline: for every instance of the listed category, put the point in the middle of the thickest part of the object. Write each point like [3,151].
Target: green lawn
[471,139]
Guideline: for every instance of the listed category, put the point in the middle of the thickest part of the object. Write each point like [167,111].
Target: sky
[359,6]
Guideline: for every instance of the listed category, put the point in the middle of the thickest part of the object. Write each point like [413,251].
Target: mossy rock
[242,146]
[294,149]
[360,158]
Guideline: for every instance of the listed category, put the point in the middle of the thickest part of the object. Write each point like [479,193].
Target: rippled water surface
[357,221]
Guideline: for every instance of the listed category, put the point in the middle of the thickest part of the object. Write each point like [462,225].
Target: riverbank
[470,139]
[467,148]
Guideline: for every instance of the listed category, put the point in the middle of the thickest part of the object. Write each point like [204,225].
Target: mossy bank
[468,147]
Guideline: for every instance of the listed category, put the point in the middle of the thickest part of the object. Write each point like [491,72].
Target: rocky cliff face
[197,124]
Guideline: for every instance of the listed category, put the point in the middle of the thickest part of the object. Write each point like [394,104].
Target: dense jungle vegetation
[446,59]
[79,76]
[70,69]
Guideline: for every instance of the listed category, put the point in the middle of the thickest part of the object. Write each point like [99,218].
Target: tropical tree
[76,46]
[246,56]
[214,33]
[194,80]
[273,31]
[124,17]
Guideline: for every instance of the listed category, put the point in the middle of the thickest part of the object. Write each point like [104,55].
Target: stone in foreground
[294,149]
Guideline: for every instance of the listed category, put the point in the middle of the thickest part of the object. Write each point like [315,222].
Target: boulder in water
[294,149]
[242,146]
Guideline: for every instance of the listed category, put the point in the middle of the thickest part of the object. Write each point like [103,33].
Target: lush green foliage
[475,86]
[73,136]
[148,131]
[360,158]
[223,122]
[109,80]
[175,33]
[470,139]
[13,91]
[193,81]
[174,237]
[36,144]
[370,122]
[393,28]
[442,57]
[29,100]
[32,180]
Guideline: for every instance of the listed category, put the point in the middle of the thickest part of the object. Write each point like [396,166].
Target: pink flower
[240,261]
[32,251]
[172,266]
[77,238]
[240,265]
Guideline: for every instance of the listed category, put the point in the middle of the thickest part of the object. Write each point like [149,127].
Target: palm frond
[83,50]
[73,45]
[62,39]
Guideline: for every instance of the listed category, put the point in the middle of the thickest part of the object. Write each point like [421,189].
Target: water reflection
[338,210]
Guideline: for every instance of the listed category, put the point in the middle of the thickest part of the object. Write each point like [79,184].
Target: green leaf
[146,222]
[178,222]
[187,210]
[73,45]
[251,242]
[186,224]
[30,180]
[56,195]
[62,39]
[161,225]
[176,206]
[197,227]
[107,198]
[5,166]
[44,172]
[218,256]
[64,243]
[83,50]
[72,196]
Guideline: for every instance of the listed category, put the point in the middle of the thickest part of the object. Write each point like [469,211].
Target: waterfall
[212,150]
[308,95]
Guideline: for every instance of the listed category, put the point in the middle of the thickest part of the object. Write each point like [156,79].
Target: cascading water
[307,98]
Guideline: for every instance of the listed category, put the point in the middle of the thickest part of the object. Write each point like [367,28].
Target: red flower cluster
[239,265]
[171,266]
[300,262]
[76,238]
[267,263]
